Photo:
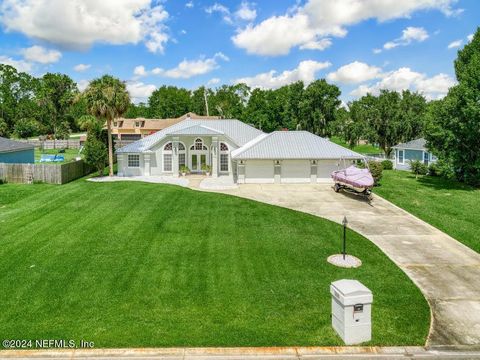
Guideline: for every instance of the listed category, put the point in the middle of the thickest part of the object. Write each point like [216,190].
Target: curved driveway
[446,271]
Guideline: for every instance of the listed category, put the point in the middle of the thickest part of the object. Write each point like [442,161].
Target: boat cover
[360,178]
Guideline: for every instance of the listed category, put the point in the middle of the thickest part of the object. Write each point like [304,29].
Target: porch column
[175,156]
[215,150]
[146,163]
[120,164]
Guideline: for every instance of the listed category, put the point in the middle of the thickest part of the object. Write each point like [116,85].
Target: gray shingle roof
[239,132]
[293,145]
[419,144]
[7,145]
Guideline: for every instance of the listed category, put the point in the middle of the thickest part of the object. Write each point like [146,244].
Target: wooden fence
[54,144]
[47,173]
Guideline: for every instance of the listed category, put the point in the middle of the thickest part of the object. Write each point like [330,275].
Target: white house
[235,149]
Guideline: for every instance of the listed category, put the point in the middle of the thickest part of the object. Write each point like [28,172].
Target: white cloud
[139,71]
[470,37]
[20,65]
[139,91]
[409,35]
[81,67]
[82,84]
[246,12]
[41,55]
[185,69]
[221,9]
[189,4]
[377,51]
[321,44]
[354,72]
[406,79]
[306,72]
[213,81]
[79,24]
[455,44]
[318,19]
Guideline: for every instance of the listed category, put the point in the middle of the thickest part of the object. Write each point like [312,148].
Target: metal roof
[7,145]
[419,144]
[239,132]
[293,145]
[196,130]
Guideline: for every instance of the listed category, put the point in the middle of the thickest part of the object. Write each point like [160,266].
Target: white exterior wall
[124,170]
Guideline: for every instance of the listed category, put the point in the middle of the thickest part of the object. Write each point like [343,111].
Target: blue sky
[360,45]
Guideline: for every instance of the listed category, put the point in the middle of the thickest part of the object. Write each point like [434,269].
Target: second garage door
[295,171]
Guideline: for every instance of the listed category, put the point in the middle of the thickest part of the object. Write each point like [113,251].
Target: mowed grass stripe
[133,265]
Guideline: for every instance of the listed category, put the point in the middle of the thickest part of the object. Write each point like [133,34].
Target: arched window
[181,147]
[167,157]
[198,145]
[224,158]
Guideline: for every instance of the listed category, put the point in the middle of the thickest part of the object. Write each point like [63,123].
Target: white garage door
[295,171]
[325,169]
[259,171]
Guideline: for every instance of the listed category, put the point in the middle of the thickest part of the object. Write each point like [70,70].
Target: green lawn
[70,154]
[448,205]
[132,264]
[361,149]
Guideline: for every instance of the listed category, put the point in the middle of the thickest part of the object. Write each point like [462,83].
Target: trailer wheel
[336,188]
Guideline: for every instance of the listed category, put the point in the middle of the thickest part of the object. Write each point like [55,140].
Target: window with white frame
[167,162]
[167,157]
[224,157]
[401,156]
[198,145]
[223,162]
[133,160]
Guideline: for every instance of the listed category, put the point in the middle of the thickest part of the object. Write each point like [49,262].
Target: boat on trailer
[354,180]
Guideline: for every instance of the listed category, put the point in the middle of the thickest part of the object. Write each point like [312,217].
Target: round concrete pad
[349,262]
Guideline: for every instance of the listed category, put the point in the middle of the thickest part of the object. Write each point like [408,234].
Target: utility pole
[206,100]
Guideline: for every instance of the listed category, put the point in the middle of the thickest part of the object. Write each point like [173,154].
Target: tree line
[52,104]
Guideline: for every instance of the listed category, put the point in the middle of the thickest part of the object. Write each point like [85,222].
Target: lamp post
[344,222]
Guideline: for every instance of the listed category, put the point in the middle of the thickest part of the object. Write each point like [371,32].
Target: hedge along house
[234,149]
[16,152]
[411,151]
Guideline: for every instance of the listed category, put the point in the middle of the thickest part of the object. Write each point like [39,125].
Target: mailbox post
[345,223]
[351,311]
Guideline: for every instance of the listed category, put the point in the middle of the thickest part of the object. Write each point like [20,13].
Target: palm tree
[107,99]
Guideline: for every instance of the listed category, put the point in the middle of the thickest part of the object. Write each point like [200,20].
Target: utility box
[351,311]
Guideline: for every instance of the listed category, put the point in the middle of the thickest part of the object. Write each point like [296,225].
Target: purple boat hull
[358,179]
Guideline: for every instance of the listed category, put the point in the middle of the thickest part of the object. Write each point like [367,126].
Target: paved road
[447,272]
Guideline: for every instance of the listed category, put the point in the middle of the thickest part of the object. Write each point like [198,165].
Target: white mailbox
[351,311]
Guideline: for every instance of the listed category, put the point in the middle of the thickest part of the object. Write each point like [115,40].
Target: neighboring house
[138,128]
[16,152]
[235,149]
[412,150]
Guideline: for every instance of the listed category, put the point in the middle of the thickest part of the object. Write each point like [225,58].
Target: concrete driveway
[447,272]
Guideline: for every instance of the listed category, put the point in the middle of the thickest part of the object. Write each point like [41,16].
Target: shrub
[376,170]
[205,168]
[433,169]
[2,181]
[418,168]
[184,169]
[387,165]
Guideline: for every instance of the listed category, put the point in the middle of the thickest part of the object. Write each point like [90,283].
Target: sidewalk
[270,353]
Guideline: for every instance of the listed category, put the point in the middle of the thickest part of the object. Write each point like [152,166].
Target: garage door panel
[259,171]
[295,171]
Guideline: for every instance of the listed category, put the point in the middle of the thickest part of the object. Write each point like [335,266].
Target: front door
[425,158]
[198,160]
